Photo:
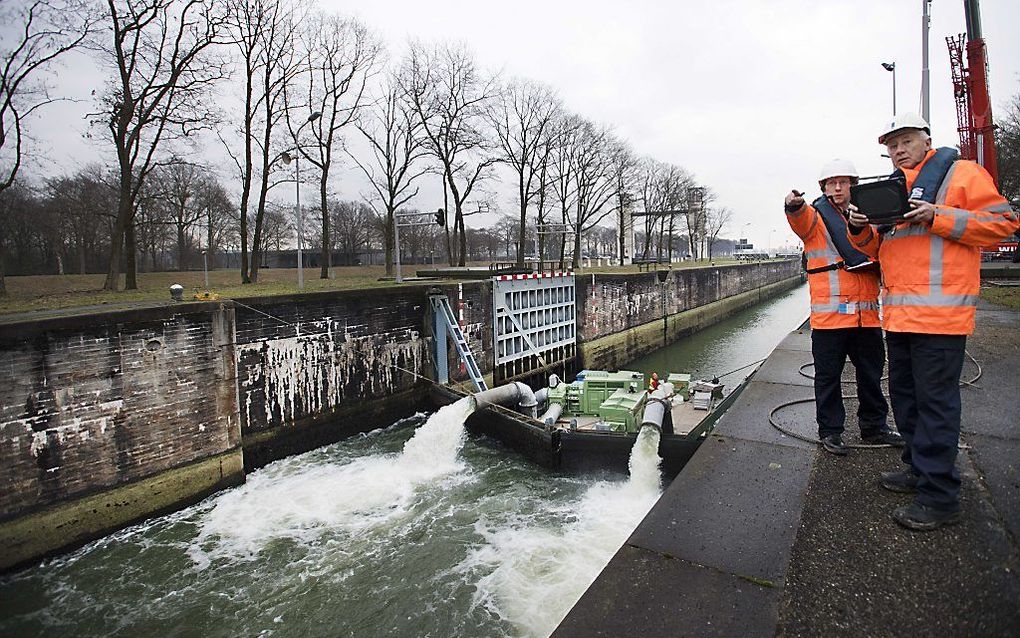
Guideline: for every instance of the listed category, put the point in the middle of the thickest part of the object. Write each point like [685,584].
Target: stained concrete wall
[100,402]
[610,304]
[317,368]
[623,317]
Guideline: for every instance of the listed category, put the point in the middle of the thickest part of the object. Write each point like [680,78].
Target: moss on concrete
[73,523]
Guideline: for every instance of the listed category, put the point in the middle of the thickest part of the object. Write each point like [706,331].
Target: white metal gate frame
[532,314]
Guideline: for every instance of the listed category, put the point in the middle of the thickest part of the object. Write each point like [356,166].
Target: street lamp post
[891,66]
[287,159]
[205,267]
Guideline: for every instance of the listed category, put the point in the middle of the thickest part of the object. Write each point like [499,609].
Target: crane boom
[970,89]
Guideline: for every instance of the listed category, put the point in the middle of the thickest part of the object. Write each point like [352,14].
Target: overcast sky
[751,96]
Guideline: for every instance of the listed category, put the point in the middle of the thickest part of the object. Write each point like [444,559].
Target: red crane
[970,87]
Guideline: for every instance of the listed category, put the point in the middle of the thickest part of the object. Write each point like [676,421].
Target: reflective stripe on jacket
[839,299]
[932,275]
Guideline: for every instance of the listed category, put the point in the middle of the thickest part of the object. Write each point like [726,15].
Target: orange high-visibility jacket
[931,276]
[839,299]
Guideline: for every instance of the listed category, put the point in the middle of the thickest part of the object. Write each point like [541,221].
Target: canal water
[411,530]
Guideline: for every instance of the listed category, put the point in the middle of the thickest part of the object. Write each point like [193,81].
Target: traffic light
[441,217]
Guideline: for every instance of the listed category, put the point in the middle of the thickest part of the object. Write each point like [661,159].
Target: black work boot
[884,437]
[833,444]
[922,518]
[902,482]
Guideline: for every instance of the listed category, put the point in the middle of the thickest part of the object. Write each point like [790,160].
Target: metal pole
[205,267]
[300,228]
[396,245]
[924,60]
[894,91]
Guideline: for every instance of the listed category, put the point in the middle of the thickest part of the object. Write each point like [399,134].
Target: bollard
[176,292]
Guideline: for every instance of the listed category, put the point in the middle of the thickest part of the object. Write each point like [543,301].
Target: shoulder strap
[835,225]
[932,174]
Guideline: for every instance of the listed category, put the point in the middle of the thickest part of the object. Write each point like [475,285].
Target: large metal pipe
[542,395]
[551,414]
[655,407]
[513,395]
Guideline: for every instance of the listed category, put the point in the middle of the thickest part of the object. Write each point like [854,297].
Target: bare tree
[675,185]
[562,167]
[264,32]
[39,33]
[279,227]
[395,136]
[339,56]
[1007,141]
[353,223]
[649,180]
[86,204]
[180,184]
[449,94]
[696,199]
[160,52]
[624,173]
[715,220]
[593,180]
[520,119]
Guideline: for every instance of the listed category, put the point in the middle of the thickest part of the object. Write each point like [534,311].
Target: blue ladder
[447,321]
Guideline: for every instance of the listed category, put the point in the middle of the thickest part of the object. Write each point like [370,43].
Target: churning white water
[299,500]
[531,575]
[378,535]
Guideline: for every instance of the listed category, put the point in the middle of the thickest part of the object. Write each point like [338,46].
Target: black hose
[726,374]
[860,446]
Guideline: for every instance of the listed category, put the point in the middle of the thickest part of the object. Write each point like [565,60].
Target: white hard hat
[837,168]
[904,121]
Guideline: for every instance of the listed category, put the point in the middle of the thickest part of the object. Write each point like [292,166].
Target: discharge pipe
[513,395]
[655,407]
[552,413]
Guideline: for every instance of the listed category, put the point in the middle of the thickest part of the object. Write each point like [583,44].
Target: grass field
[1008,296]
[45,292]
[54,292]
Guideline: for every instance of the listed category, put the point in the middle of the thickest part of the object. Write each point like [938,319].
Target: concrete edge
[69,524]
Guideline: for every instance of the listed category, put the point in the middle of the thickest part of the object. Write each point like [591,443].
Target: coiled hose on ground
[772,420]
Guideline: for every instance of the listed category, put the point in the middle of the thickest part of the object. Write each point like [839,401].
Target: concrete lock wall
[107,418]
[623,317]
[317,368]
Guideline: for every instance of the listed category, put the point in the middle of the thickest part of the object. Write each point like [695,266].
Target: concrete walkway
[763,534]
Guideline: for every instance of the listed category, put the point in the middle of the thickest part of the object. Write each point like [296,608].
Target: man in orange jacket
[844,311]
[931,281]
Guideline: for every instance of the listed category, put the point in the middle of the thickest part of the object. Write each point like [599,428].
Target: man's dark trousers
[924,386]
[830,348]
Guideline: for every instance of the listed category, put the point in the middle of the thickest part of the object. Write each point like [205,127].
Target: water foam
[533,574]
[291,499]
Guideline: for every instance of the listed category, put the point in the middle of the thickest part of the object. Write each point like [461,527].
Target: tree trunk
[576,260]
[522,228]
[117,238]
[326,251]
[390,220]
[180,247]
[209,254]
[3,282]
[130,252]
[462,236]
